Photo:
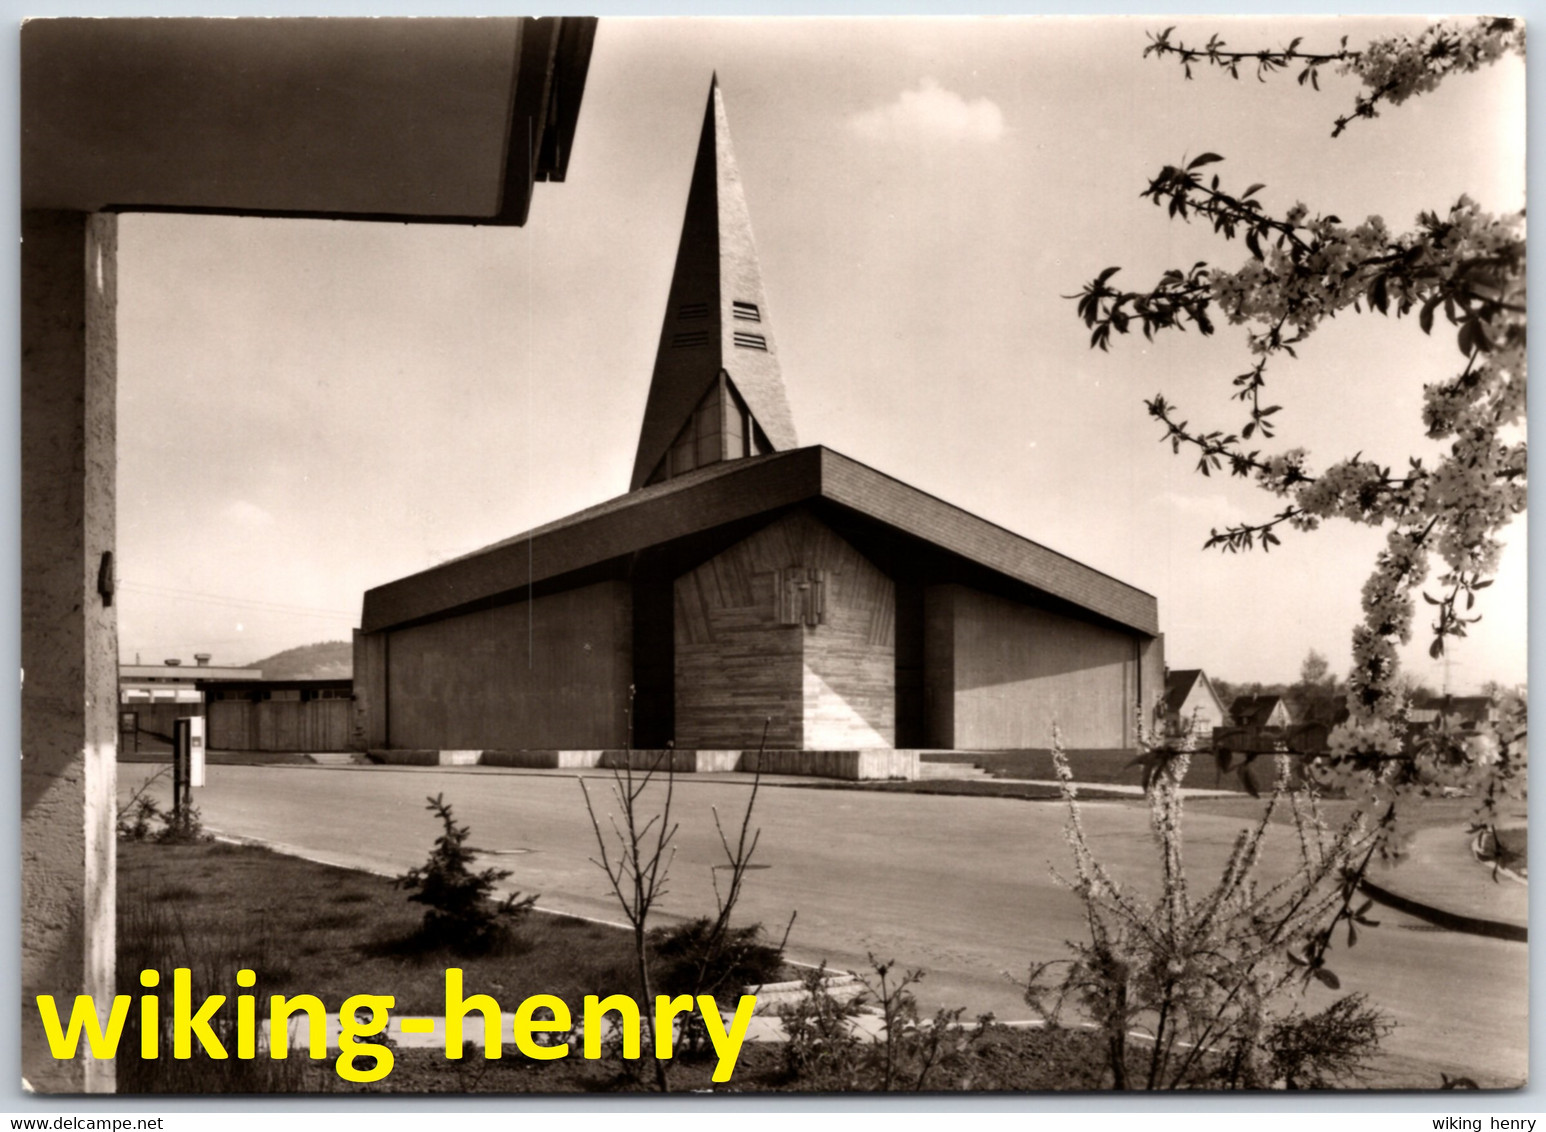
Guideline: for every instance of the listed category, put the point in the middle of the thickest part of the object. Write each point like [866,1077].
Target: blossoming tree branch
[1392,69]
[1461,272]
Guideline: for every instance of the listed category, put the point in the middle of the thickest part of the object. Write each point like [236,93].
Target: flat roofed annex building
[745,578]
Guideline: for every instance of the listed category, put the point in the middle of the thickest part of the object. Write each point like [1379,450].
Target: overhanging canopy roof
[435,120]
[738,490]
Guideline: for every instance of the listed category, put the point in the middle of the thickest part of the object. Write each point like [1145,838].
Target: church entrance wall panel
[791,624]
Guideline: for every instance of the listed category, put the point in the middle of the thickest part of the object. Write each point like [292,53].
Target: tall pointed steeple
[716,393]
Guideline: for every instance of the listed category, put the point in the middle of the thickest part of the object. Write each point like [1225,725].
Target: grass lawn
[307,928]
[1004,1060]
[1512,850]
[315,929]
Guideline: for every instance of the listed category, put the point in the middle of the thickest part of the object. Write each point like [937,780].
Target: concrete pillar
[69,633]
[1151,681]
[369,729]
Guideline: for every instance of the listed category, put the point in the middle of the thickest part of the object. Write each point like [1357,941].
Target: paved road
[959,886]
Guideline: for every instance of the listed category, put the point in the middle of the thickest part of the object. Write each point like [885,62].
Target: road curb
[1452,921]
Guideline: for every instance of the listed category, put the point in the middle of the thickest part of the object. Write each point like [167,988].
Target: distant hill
[325,660]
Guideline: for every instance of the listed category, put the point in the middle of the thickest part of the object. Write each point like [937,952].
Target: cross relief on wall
[800,595]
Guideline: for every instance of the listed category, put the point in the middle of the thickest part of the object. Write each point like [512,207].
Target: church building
[743,578]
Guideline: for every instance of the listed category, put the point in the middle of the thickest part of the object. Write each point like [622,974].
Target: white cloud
[931,113]
[244,514]
[1217,509]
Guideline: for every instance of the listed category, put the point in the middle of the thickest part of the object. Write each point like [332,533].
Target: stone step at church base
[954,771]
[855,765]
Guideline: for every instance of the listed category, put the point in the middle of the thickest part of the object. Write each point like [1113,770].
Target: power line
[174,590]
[259,605]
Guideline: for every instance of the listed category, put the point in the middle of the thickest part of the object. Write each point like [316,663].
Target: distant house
[279,715]
[1190,697]
[1466,712]
[1260,711]
[152,697]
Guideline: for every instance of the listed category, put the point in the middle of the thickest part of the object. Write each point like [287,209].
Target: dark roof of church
[738,490]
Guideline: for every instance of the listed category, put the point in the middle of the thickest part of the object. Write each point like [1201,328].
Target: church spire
[716,393]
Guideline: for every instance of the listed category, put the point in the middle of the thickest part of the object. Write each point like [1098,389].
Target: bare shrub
[827,1047]
[1327,1050]
[705,956]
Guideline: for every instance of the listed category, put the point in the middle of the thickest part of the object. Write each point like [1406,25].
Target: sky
[311,408]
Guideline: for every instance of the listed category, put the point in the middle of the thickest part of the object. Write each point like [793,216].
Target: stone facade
[792,625]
